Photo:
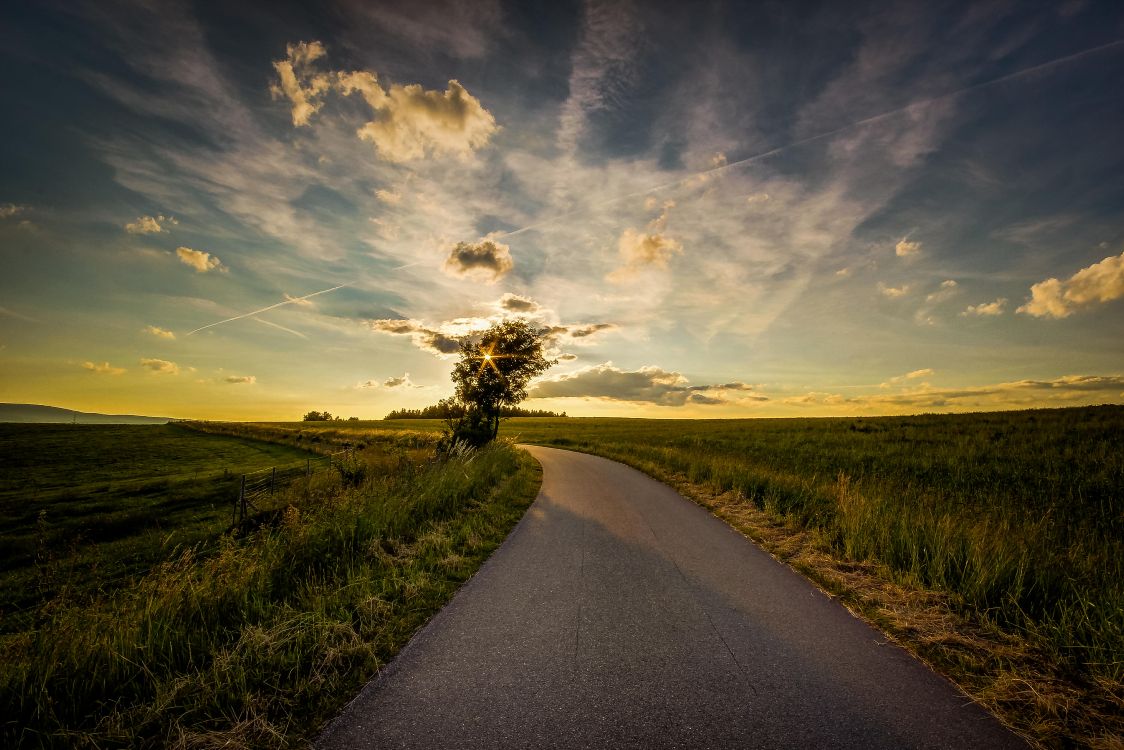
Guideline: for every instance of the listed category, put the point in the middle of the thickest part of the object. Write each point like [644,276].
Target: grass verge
[259,643]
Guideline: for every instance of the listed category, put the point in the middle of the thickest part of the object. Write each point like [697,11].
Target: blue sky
[718,209]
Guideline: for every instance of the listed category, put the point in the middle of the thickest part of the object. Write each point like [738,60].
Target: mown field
[245,637]
[1014,519]
[84,507]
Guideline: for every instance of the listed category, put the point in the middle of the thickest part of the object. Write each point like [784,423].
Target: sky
[247,211]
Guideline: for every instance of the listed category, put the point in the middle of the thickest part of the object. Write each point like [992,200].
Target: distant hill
[38,413]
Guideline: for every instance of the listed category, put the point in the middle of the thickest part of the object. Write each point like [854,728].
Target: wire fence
[257,486]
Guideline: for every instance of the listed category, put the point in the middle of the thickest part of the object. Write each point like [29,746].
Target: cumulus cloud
[485,260]
[162,366]
[650,249]
[389,197]
[906,248]
[299,82]
[401,381]
[201,261]
[1098,283]
[517,304]
[424,337]
[159,332]
[411,122]
[893,292]
[651,385]
[986,308]
[102,368]
[150,224]
[946,290]
[236,379]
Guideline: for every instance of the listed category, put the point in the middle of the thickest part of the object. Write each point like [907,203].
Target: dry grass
[1011,676]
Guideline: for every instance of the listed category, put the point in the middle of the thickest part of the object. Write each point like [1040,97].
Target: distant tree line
[449,408]
[323,416]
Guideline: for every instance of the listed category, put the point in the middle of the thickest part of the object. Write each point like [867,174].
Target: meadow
[85,507]
[990,544]
[251,636]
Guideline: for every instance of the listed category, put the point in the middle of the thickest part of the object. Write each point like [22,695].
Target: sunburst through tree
[493,372]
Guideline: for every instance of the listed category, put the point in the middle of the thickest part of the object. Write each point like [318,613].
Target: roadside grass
[85,507]
[992,545]
[258,643]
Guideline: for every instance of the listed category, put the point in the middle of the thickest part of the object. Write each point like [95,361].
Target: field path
[619,614]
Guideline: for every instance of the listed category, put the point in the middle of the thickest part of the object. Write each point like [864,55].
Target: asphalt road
[619,614]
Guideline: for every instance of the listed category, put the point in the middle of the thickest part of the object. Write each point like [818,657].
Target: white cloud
[298,301]
[893,292]
[240,379]
[914,375]
[162,366]
[411,122]
[906,248]
[103,368]
[986,308]
[643,250]
[389,197]
[1098,283]
[650,384]
[201,261]
[400,381]
[150,224]
[159,332]
[299,83]
[485,260]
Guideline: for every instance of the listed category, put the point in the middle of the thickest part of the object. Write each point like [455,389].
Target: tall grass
[1019,516]
[255,644]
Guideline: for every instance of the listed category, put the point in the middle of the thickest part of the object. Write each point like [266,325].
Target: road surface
[619,614]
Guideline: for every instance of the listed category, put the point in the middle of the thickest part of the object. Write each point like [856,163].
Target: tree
[492,373]
[317,416]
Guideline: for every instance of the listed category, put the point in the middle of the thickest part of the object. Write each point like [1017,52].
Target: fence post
[238,502]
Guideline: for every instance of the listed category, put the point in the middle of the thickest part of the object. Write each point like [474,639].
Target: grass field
[1015,520]
[258,640]
[84,507]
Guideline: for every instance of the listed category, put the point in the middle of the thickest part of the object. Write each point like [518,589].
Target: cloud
[516,304]
[893,292]
[103,368]
[150,224]
[411,122]
[201,261]
[914,375]
[159,332]
[298,83]
[581,332]
[906,248]
[401,381]
[1065,390]
[237,379]
[8,210]
[485,260]
[754,199]
[1098,283]
[650,385]
[946,290]
[986,308]
[639,251]
[162,366]
[389,197]
[298,301]
[424,338]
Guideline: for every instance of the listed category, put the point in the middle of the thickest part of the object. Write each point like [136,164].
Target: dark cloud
[424,338]
[515,303]
[485,260]
[651,385]
[580,332]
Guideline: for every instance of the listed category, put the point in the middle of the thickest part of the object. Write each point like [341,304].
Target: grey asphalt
[619,614]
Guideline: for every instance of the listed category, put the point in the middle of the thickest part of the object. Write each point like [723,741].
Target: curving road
[619,614]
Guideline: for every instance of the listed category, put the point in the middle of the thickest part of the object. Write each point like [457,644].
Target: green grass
[1016,520]
[259,642]
[85,507]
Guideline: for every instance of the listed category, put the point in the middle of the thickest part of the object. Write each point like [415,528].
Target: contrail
[811,139]
[263,321]
[271,307]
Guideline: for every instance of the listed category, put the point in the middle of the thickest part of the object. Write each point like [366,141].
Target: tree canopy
[493,372]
